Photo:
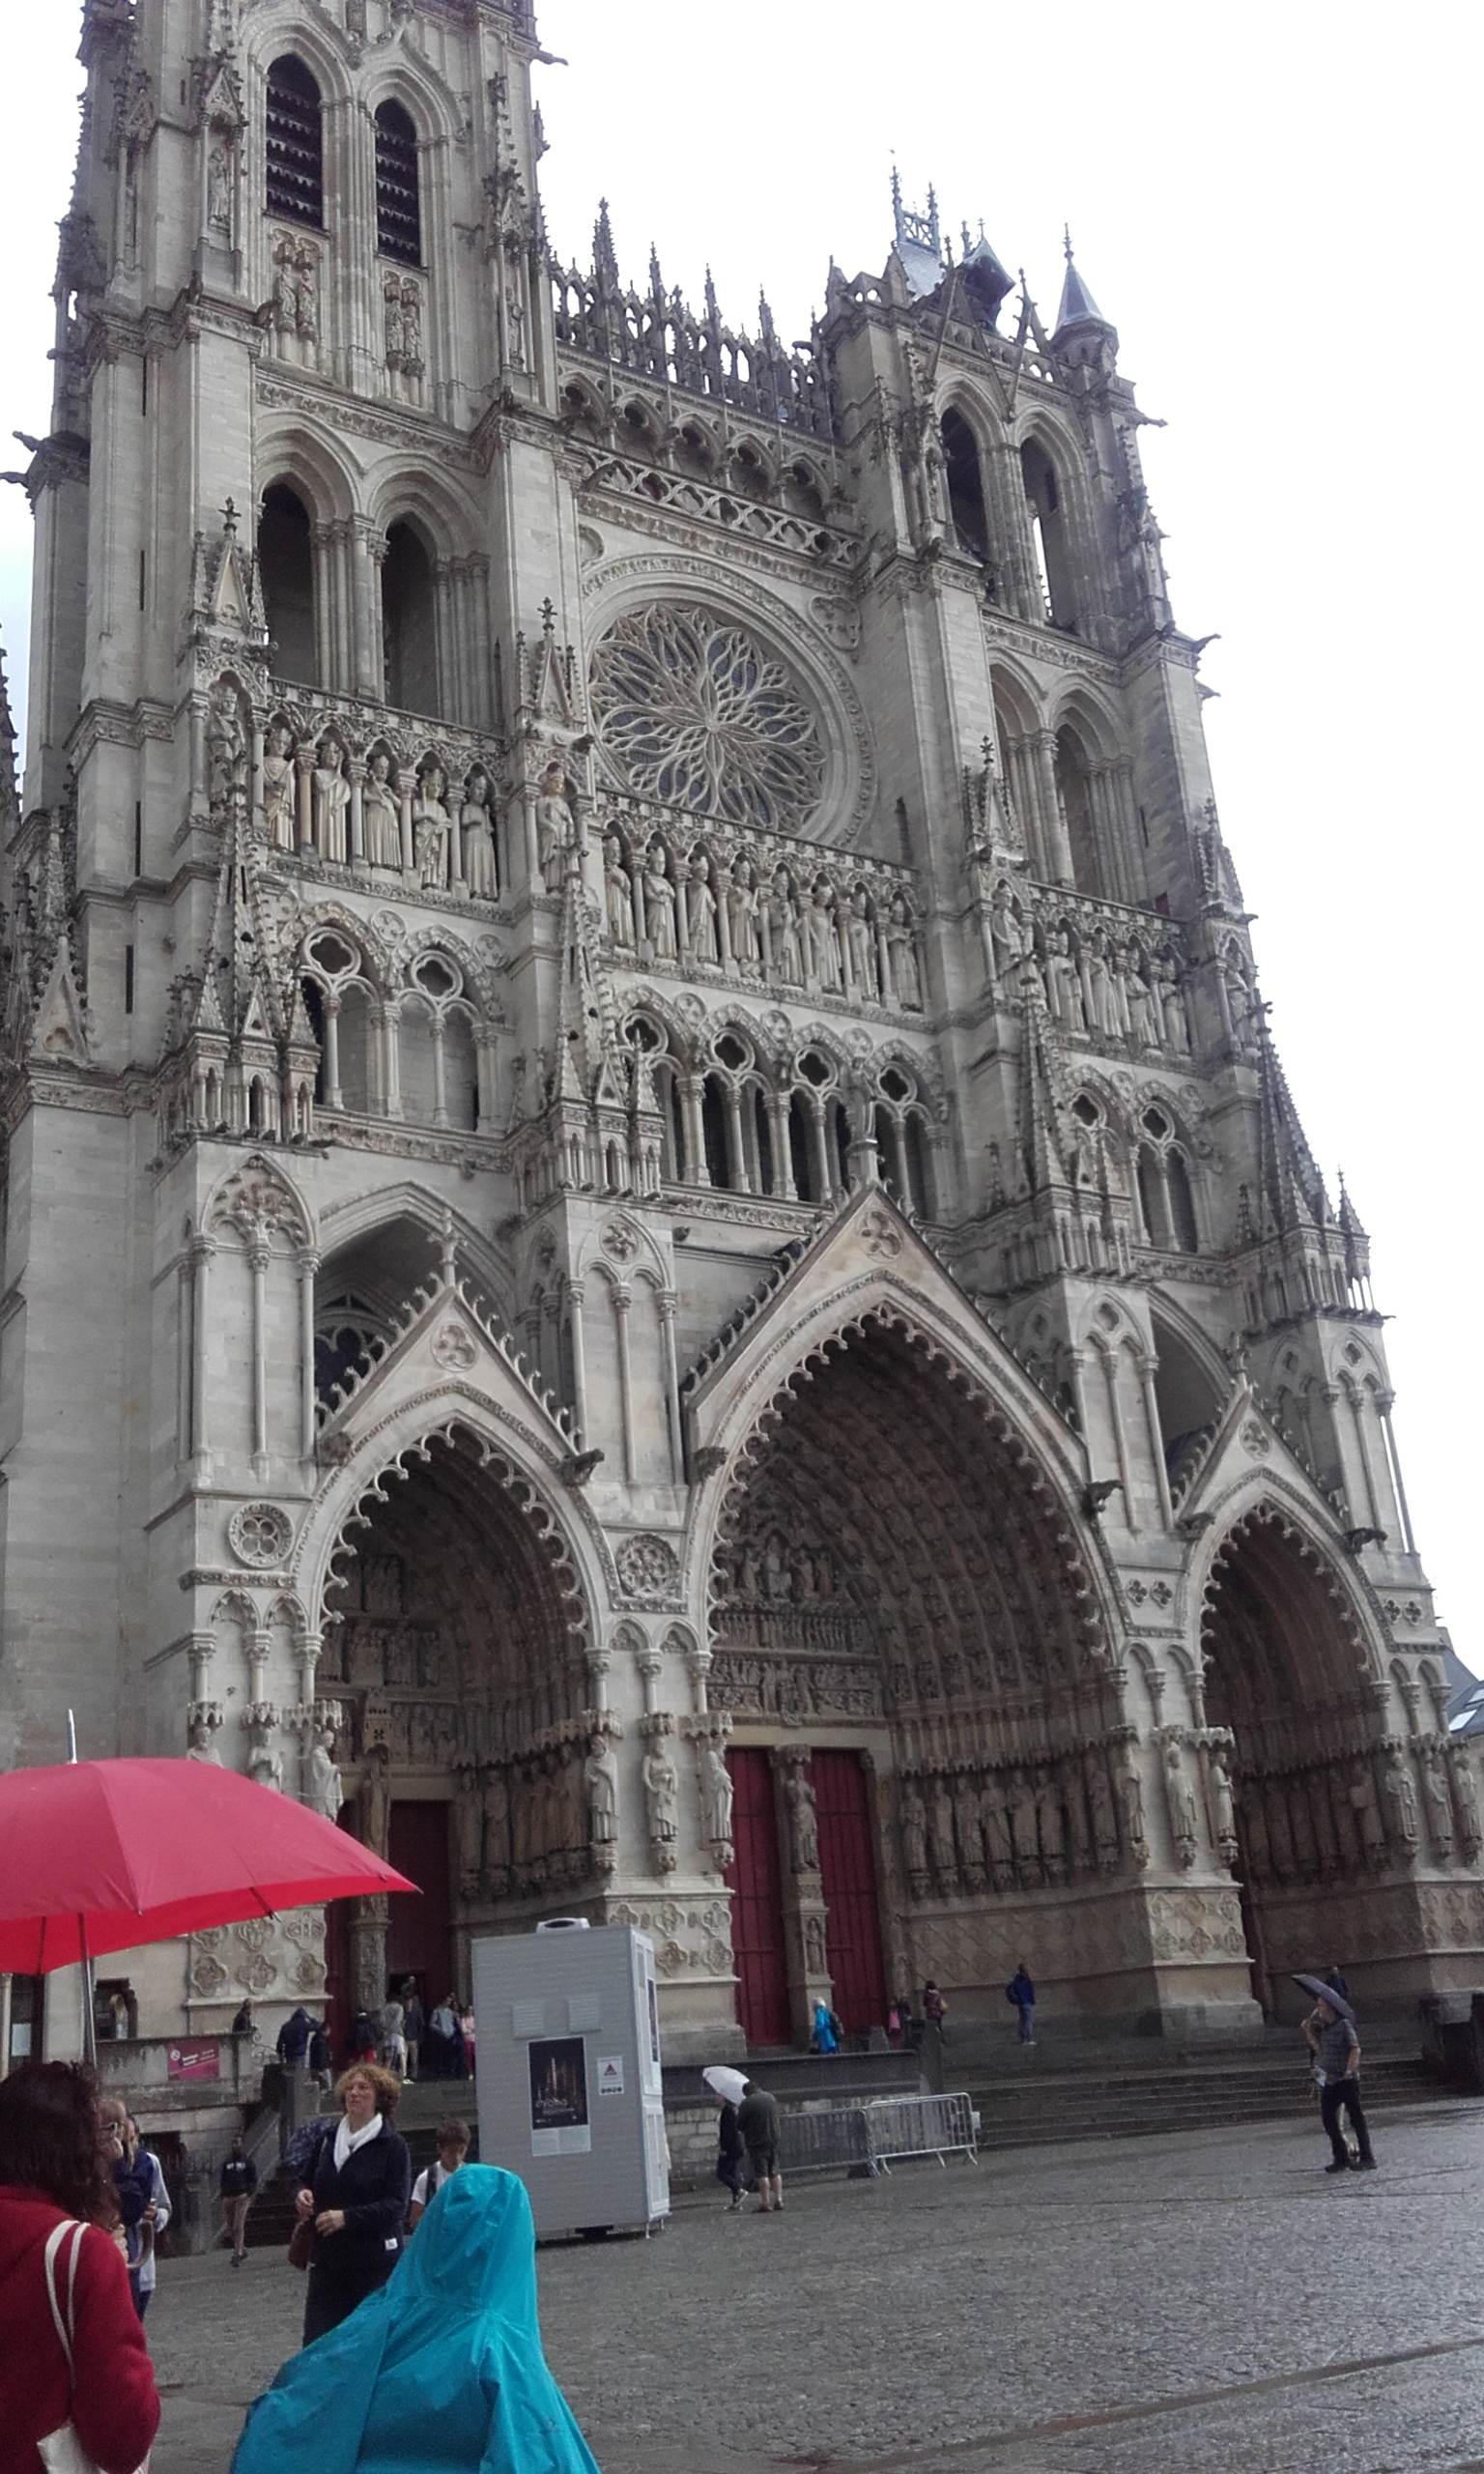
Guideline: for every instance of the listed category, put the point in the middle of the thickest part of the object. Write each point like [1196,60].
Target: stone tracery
[692,711]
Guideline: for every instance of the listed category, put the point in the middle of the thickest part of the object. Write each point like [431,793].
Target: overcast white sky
[1273,205]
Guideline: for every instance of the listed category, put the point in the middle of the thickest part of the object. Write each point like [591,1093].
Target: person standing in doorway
[758,2121]
[1022,1993]
[413,2024]
[1330,2034]
[934,2006]
[238,2180]
[241,2025]
[394,2054]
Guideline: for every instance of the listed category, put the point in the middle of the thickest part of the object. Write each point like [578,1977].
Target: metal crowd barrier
[870,2138]
[824,2140]
[902,2126]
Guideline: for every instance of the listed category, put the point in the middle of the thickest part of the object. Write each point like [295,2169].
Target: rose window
[693,711]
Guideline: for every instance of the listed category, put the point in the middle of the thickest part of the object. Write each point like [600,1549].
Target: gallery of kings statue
[655,1245]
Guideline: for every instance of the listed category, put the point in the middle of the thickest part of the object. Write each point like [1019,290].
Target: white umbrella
[724,2081]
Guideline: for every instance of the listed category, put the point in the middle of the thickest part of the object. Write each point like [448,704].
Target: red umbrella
[99,1856]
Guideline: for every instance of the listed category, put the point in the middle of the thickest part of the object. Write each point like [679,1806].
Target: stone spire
[1077,308]
[1082,337]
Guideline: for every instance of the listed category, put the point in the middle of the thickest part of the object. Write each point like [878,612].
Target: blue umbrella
[1322,1992]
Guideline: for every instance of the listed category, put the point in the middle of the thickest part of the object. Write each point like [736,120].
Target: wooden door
[756,1882]
[847,1862]
[418,1942]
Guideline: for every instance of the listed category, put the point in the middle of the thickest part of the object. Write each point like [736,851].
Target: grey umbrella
[1322,1992]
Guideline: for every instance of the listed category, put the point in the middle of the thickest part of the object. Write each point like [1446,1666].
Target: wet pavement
[1168,2304]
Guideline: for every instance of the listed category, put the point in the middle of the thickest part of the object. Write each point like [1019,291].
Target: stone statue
[620,894]
[742,914]
[380,817]
[201,1725]
[1004,940]
[862,935]
[1401,1798]
[391,320]
[817,1960]
[1099,1794]
[554,826]
[967,1831]
[1053,1832]
[1062,989]
[784,927]
[1172,1000]
[469,1832]
[715,1797]
[331,804]
[1130,1788]
[495,1878]
[476,838]
[376,1800]
[600,1774]
[412,323]
[659,906]
[1181,1803]
[1222,1802]
[278,789]
[701,911]
[914,1831]
[823,941]
[323,1793]
[662,1794]
[1143,1014]
[218,189]
[902,945]
[995,1829]
[1023,1833]
[1368,1821]
[1440,1802]
[940,1831]
[1466,1798]
[432,830]
[803,1820]
[226,746]
[306,294]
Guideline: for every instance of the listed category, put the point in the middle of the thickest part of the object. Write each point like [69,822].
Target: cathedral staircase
[1089,2089]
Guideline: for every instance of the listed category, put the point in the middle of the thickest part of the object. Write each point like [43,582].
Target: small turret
[1083,337]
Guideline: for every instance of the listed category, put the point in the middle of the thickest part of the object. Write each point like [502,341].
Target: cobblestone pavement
[1166,2304]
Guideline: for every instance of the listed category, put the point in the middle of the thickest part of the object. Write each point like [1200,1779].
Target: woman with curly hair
[57,2218]
[356,2197]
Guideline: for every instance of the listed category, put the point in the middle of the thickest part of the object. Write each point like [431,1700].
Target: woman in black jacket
[357,2199]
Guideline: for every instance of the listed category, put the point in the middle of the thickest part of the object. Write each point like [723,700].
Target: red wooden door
[756,1882]
[417,1930]
[848,1861]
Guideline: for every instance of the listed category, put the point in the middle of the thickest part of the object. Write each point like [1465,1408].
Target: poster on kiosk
[570,2098]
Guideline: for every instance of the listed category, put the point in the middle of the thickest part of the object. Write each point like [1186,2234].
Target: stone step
[1026,2115]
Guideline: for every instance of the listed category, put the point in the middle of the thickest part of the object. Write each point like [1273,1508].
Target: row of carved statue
[1412,1797]
[316,1725]
[1023,1829]
[1102,983]
[787,928]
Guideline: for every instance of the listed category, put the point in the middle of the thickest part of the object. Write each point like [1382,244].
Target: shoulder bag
[62,2451]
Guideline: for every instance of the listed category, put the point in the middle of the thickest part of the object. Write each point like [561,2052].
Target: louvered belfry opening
[398,219]
[296,143]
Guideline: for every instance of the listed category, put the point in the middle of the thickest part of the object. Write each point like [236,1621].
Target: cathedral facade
[654,1243]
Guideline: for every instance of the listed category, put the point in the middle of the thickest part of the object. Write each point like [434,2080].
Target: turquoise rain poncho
[440,2371]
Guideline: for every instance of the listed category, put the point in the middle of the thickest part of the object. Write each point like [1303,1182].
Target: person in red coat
[56,2165]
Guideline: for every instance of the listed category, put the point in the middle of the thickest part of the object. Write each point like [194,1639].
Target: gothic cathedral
[654,1243]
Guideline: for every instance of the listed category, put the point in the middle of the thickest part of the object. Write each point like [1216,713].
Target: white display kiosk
[569,2087]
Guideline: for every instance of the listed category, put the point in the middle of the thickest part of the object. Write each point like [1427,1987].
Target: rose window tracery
[693,711]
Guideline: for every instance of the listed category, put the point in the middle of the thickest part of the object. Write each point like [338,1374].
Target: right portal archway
[1324,1803]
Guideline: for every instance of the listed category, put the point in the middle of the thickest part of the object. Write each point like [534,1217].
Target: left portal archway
[453,1644]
